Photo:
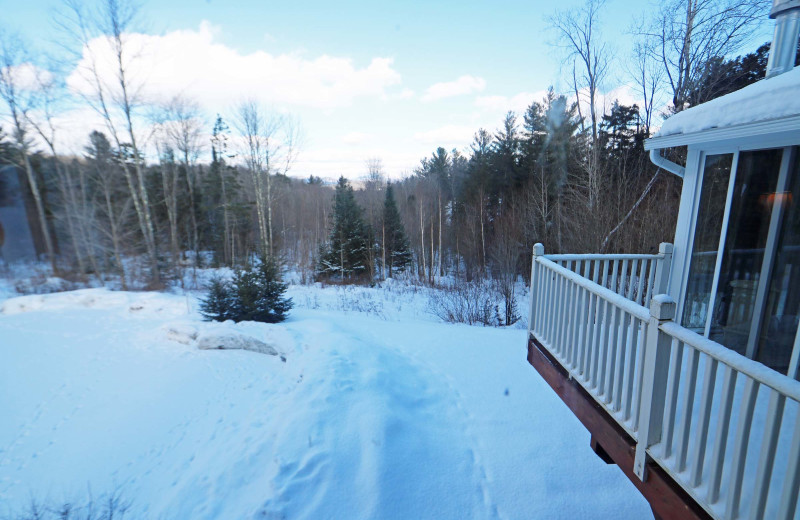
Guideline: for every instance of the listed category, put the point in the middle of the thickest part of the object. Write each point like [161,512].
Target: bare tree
[116,99]
[269,147]
[20,100]
[687,34]
[184,129]
[578,33]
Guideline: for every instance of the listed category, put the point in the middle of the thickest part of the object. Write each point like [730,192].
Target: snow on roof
[773,98]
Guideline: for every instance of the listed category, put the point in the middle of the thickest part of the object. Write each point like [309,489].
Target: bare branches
[578,34]
[685,35]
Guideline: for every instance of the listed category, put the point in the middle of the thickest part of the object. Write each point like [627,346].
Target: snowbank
[764,100]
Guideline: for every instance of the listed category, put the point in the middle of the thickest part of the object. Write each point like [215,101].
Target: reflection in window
[746,237]
[779,326]
[706,239]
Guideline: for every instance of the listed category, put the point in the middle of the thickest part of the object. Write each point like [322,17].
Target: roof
[776,99]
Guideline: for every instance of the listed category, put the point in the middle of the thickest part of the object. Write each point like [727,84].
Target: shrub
[254,294]
[466,302]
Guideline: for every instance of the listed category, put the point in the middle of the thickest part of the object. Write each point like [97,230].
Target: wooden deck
[613,444]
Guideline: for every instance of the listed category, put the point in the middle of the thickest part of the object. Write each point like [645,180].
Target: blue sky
[391,80]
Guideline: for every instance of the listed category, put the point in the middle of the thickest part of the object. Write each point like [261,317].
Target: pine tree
[347,253]
[255,294]
[395,242]
[218,303]
[258,294]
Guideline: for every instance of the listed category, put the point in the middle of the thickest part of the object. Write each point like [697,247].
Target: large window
[743,286]
[710,213]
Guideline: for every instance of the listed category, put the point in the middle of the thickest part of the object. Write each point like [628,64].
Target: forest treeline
[566,172]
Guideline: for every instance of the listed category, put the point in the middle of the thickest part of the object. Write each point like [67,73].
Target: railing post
[663,266]
[654,380]
[538,250]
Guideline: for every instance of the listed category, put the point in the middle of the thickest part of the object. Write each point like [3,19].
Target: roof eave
[741,132]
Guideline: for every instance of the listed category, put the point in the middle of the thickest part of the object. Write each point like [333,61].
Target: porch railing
[726,428]
[636,277]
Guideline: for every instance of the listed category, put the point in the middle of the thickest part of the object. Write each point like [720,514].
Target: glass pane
[748,225]
[779,326]
[714,191]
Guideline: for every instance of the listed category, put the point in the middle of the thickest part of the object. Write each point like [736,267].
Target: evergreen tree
[218,303]
[347,252]
[255,294]
[395,242]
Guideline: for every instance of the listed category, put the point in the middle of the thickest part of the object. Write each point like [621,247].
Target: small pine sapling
[218,303]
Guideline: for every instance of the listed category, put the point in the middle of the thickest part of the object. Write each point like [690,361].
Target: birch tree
[107,56]
[20,99]
[686,35]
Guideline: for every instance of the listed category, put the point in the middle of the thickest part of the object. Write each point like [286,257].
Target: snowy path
[367,418]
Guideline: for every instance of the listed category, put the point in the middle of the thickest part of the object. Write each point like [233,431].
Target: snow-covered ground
[378,411]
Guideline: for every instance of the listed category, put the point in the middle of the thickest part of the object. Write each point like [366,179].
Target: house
[683,365]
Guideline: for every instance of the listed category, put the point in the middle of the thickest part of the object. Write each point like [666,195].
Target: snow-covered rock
[185,333]
[229,340]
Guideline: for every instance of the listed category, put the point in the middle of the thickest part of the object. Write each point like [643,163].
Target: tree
[685,35]
[20,101]
[218,303]
[347,251]
[255,294]
[578,33]
[258,294]
[397,253]
[116,101]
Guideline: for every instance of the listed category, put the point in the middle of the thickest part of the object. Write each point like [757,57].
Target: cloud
[464,85]
[501,104]
[447,136]
[193,63]
[27,77]
[355,138]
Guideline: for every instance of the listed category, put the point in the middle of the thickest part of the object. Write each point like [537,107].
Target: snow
[374,409]
[765,100]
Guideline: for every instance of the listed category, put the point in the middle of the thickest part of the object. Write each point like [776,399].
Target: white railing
[726,428]
[636,277]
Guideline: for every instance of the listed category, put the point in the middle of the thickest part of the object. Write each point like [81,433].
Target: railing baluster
[701,434]
[721,437]
[685,423]
[619,362]
[611,357]
[766,459]
[739,448]
[791,483]
[623,278]
[640,289]
[637,381]
[571,311]
[631,281]
[630,369]
[673,384]
[614,275]
[651,282]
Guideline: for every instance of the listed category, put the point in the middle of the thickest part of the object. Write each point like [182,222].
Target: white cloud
[501,104]
[27,76]
[406,93]
[355,138]
[464,85]
[447,136]
[192,62]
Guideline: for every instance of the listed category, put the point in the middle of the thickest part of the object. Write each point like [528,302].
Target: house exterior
[684,365]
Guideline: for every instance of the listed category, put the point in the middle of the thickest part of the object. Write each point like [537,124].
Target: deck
[702,431]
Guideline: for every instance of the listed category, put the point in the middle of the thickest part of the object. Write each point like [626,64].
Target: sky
[364,80]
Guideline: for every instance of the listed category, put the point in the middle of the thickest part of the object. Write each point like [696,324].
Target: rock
[231,340]
[181,332]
